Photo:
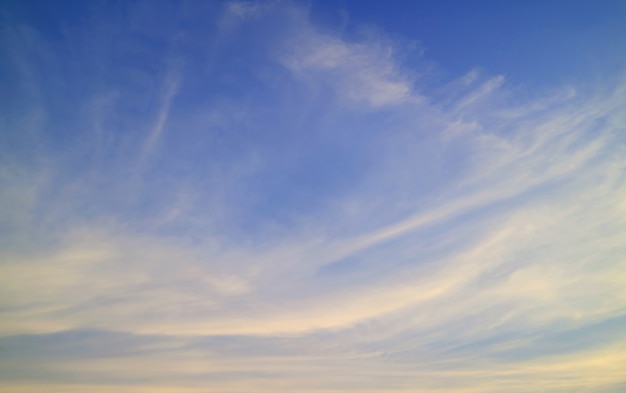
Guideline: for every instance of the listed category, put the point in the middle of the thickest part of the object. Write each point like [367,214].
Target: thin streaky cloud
[170,86]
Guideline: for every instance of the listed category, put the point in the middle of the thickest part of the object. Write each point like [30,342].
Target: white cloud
[357,72]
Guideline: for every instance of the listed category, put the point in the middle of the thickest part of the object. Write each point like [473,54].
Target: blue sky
[312,196]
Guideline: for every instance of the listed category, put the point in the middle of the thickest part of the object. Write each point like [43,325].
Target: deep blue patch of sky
[532,42]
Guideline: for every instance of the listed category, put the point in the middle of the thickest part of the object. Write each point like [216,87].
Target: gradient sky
[321,196]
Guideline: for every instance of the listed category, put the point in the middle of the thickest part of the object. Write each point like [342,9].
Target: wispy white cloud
[356,72]
[169,90]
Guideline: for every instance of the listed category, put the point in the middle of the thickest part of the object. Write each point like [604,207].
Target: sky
[313,196]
